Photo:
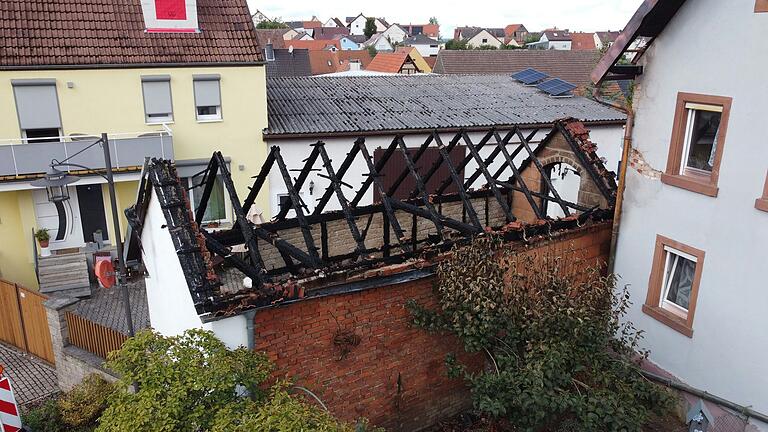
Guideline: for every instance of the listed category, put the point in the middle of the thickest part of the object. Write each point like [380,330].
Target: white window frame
[227,204]
[154,119]
[692,108]
[208,117]
[665,304]
[27,140]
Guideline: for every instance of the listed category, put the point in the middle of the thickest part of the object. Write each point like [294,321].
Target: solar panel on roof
[556,87]
[529,76]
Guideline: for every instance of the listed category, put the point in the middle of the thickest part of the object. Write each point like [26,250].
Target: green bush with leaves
[44,417]
[193,383]
[556,343]
[82,406]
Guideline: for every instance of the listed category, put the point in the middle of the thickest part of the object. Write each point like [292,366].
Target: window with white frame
[207,90]
[700,139]
[217,209]
[158,106]
[677,282]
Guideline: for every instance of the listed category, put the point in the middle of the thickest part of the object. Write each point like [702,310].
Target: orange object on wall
[105,273]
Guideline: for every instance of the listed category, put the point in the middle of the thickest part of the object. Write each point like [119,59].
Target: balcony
[21,157]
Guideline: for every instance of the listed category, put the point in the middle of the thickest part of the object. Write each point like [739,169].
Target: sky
[576,15]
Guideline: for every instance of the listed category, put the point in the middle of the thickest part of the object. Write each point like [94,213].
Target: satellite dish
[105,273]
[290,49]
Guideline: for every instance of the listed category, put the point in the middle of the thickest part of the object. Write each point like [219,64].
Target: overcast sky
[581,15]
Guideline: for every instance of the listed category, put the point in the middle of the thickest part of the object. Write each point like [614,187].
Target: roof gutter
[132,66]
[356,134]
[628,128]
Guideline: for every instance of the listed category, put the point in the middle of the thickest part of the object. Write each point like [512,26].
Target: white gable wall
[395,34]
[727,354]
[484,38]
[357,27]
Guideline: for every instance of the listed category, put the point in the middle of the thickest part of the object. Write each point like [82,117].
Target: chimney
[170,16]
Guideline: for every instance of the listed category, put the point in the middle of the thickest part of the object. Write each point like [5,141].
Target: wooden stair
[64,274]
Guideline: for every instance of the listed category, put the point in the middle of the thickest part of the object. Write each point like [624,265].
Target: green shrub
[557,346]
[82,406]
[44,418]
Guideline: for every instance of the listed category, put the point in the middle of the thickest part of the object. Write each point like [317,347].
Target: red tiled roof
[273,36]
[339,60]
[388,62]
[582,41]
[111,32]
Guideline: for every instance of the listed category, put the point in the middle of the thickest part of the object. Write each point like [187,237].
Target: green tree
[272,24]
[556,341]
[193,383]
[370,27]
[372,51]
[454,44]
[433,21]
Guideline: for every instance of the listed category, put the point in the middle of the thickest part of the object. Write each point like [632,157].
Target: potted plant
[43,238]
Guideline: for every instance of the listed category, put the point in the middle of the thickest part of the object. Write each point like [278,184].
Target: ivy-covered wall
[360,355]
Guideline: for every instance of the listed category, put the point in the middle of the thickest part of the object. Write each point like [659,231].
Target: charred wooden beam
[261,178]
[489,160]
[436,165]
[460,167]
[491,183]
[445,155]
[461,227]
[348,160]
[303,174]
[375,169]
[434,216]
[404,173]
[544,174]
[587,164]
[514,154]
[219,249]
[209,180]
[510,162]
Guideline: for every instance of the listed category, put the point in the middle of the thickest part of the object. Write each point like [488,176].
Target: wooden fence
[23,321]
[92,337]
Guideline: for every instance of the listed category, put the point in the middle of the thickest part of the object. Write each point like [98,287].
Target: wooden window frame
[761,6]
[762,202]
[653,300]
[703,184]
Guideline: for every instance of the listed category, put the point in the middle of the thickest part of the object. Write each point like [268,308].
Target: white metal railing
[20,156]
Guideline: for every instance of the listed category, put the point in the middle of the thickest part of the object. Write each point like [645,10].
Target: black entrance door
[92,211]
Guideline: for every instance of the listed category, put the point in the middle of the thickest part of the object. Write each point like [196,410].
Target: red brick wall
[396,376]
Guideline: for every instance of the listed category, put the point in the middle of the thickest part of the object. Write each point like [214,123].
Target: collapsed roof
[321,249]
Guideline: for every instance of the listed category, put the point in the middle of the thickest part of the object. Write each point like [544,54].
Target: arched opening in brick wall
[566,178]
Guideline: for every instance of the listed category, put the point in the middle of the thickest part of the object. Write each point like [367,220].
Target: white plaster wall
[477,41]
[427,50]
[560,45]
[171,310]
[728,353]
[232,331]
[294,151]
[357,27]
[395,34]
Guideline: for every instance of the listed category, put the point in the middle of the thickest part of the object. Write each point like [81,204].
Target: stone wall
[72,363]
[396,375]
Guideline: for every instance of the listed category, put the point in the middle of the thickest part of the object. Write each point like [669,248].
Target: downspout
[745,411]
[627,145]
[249,328]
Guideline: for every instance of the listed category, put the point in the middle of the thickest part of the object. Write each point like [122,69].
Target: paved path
[32,378]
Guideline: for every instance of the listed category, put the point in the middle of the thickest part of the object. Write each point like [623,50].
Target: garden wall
[396,374]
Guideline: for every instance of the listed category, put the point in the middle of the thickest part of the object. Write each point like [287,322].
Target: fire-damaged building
[292,286]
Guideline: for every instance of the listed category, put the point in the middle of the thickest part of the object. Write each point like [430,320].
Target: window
[485,41]
[207,97]
[284,202]
[216,212]
[762,203]
[674,284]
[698,138]
[269,52]
[37,106]
[158,107]
[761,6]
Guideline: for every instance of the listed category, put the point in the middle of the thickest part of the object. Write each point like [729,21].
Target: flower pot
[44,251]
[44,243]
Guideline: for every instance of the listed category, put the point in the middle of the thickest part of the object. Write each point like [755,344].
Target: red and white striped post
[10,420]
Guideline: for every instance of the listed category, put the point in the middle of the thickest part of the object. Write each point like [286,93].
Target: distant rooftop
[348,105]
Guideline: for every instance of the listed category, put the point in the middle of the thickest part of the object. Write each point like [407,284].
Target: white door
[62,219]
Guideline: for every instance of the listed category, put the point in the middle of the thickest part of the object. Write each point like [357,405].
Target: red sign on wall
[171,9]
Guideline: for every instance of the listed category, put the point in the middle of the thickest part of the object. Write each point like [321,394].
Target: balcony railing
[20,157]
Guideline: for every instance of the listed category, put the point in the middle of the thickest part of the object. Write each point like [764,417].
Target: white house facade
[357,25]
[484,38]
[395,34]
[693,240]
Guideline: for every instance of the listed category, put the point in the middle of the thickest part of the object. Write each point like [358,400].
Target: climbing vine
[558,349]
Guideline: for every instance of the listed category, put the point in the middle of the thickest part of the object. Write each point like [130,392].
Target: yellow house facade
[179,103]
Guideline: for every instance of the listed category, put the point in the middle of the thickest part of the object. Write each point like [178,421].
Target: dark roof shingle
[327,105]
[112,32]
[572,66]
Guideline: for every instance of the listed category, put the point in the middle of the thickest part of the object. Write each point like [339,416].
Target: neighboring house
[158,87]
[605,39]
[360,40]
[583,41]
[289,34]
[276,37]
[408,105]
[334,22]
[329,62]
[405,60]
[303,36]
[380,43]
[395,34]
[429,30]
[553,40]
[381,24]
[427,47]
[515,32]
[315,45]
[289,62]
[356,25]
[259,17]
[483,37]
[346,43]
[692,241]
